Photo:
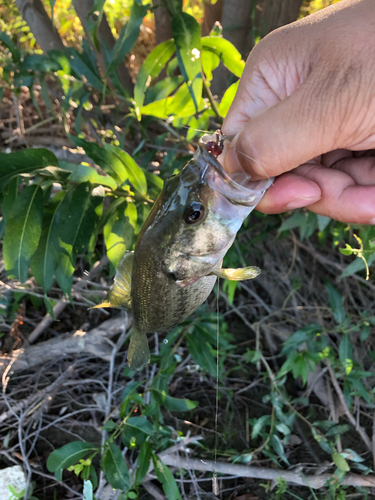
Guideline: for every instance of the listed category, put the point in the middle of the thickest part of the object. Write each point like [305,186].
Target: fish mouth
[238,187]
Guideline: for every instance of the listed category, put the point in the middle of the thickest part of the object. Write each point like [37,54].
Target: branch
[93,342]
[298,478]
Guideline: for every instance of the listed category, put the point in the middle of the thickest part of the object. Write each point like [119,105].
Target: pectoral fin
[139,352]
[119,293]
[241,274]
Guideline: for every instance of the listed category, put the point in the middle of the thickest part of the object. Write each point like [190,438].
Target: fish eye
[194,213]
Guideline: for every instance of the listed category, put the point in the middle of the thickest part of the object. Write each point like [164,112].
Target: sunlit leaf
[24,162]
[210,61]
[119,231]
[151,68]
[227,52]
[22,233]
[187,37]
[84,173]
[128,35]
[227,99]
[105,158]
[135,173]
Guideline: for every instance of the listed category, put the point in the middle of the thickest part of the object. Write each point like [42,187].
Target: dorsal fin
[119,293]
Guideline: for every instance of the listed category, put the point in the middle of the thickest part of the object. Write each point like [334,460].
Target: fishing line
[215,484]
[235,148]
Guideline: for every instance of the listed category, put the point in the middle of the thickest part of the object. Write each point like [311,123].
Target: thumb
[281,137]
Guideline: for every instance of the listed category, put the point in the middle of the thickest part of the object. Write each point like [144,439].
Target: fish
[180,248]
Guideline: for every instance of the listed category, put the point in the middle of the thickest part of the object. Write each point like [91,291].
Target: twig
[238,470]
[93,342]
[214,107]
[115,350]
[153,490]
[361,431]
[62,303]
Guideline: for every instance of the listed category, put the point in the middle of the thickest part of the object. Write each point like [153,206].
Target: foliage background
[296,346]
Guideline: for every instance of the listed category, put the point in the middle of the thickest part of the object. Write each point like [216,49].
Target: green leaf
[180,105]
[128,35]
[140,424]
[360,389]
[201,353]
[356,266]
[68,455]
[92,23]
[259,424]
[278,447]
[348,250]
[228,98]
[210,61]
[22,232]
[44,261]
[337,430]
[336,302]
[143,462]
[323,222]
[166,478]
[346,353]
[187,37]
[76,222]
[163,88]
[24,162]
[296,220]
[135,173]
[115,468]
[340,462]
[173,404]
[82,67]
[227,52]
[9,44]
[352,455]
[49,306]
[154,63]
[106,160]
[83,173]
[119,231]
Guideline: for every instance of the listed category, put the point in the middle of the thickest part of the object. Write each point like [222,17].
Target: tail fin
[139,352]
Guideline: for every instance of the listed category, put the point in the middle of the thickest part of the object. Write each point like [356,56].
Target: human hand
[305,113]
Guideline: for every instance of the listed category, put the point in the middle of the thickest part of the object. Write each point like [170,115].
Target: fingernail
[301,202]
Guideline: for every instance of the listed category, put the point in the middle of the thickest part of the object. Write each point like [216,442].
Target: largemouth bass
[180,248]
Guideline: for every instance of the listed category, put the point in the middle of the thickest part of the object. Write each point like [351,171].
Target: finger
[361,170]
[279,139]
[342,198]
[287,192]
